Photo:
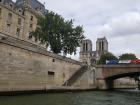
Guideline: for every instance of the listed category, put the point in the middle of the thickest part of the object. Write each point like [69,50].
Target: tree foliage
[128,56]
[58,33]
[107,56]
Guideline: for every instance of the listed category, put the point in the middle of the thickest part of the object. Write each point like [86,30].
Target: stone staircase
[75,76]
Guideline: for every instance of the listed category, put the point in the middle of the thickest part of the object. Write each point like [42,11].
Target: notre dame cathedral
[89,56]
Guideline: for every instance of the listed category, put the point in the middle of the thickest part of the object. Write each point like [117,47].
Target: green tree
[60,34]
[107,56]
[128,56]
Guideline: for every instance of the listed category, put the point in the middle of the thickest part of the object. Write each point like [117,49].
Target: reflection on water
[83,98]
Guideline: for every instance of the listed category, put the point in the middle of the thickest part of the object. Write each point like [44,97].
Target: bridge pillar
[104,84]
[139,84]
[101,84]
[100,81]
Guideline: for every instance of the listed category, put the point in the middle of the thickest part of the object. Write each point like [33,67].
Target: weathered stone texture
[26,70]
[119,76]
[106,71]
[87,80]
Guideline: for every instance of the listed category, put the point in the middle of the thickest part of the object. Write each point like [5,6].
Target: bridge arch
[107,74]
[110,80]
[127,74]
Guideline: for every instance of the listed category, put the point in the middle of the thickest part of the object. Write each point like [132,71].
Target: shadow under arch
[110,80]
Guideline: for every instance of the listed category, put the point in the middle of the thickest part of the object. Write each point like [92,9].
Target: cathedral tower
[89,56]
[86,50]
[101,46]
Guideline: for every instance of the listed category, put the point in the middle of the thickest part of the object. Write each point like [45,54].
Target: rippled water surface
[82,98]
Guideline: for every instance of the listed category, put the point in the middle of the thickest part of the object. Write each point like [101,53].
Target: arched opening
[110,80]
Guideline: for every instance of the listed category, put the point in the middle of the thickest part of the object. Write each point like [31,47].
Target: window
[11,5]
[8,27]
[31,25]
[53,60]
[31,18]
[51,73]
[19,10]
[19,21]
[18,32]
[84,47]
[100,46]
[22,12]
[0,11]
[9,16]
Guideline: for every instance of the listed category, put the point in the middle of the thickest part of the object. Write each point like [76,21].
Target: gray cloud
[126,24]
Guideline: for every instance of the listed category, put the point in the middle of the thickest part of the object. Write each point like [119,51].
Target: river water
[81,98]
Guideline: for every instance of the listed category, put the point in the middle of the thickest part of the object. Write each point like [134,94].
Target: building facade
[18,19]
[89,56]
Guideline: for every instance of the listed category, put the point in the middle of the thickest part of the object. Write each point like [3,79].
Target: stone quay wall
[26,66]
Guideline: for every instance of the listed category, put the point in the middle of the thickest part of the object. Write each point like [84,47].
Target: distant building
[89,56]
[18,19]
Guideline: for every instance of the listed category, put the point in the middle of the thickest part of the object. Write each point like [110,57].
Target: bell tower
[101,46]
[86,51]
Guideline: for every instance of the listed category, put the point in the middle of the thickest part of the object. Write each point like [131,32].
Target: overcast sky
[117,20]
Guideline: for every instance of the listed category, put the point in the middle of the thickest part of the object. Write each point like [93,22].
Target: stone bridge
[106,74]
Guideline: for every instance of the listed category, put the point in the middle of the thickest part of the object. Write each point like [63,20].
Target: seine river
[81,98]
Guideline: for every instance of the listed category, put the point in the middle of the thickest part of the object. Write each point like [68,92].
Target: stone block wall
[25,66]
